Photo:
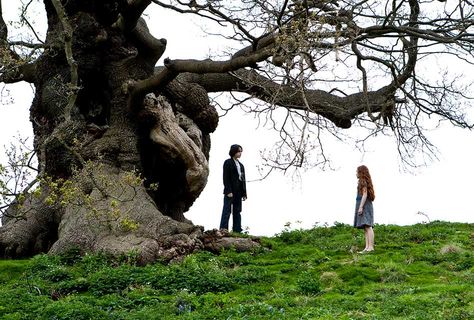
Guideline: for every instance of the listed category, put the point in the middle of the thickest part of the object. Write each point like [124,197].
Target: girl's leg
[366,240]
[370,243]
[366,235]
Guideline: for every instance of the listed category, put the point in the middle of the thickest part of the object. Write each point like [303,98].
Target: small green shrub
[94,262]
[457,261]
[43,262]
[56,274]
[185,302]
[359,276]
[130,258]
[291,237]
[256,310]
[112,280]
[73,286]
[21,301]
[71,256]
[191,275]
[426,232]
[68,310]
[250,274]
[232,258]
[330,279]
[392,273]
[308,283]
[12,269]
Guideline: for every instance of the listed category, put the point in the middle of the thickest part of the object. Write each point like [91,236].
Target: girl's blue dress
[367,216]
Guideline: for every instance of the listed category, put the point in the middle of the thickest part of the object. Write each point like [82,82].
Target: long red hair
[365,181]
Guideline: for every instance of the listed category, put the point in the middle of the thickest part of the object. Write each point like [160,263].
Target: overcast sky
[443,190]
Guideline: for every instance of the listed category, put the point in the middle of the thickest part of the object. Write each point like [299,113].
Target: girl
[364,211]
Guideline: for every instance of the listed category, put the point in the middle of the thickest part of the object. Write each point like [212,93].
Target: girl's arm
[362,201]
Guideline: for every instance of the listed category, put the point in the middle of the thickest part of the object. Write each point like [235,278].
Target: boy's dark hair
[234,149]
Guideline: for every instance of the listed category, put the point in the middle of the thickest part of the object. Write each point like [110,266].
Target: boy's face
[238,154]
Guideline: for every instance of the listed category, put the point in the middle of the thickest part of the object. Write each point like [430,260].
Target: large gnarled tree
[123,145]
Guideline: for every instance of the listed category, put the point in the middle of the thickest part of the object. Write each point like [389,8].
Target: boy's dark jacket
[232,184]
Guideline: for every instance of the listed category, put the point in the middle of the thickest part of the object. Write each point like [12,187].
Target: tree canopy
[327,62]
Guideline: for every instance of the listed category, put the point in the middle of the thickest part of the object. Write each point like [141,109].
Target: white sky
[443,190]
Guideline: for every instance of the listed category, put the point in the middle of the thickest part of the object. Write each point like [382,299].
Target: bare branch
[25,20]
[174,67]
[67,38]
[130,14]
[150,48]
[12,67]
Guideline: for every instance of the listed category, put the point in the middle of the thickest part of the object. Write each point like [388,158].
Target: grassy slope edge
[423,271]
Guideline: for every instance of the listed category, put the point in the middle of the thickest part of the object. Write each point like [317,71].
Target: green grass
[423,271]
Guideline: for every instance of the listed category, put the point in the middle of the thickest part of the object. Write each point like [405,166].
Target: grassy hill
[423,271]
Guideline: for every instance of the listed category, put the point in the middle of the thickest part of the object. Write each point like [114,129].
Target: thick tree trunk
[34,233]
[116,178]
[111,211]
